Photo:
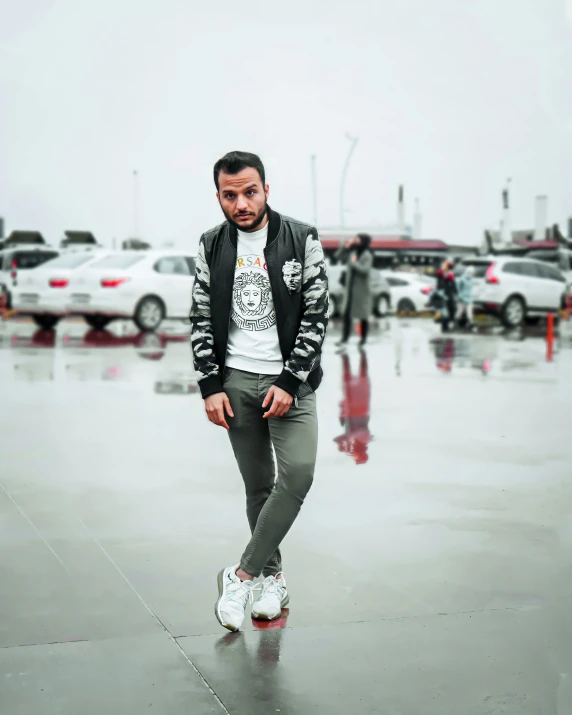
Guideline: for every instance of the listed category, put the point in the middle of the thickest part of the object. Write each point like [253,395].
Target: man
[258,321]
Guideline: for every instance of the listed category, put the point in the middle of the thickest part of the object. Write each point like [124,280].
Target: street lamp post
[506,233]
[135,205]
[314,191]
[353,142]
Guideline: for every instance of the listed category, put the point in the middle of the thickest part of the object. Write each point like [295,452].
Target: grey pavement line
[34,527]
[288,628]
[373,620]
[32,645]
[154,615]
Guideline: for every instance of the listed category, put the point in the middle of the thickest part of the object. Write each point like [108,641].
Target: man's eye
[251,191]
[230,196]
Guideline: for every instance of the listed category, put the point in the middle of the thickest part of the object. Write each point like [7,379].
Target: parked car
[44,293]
[16,262]
[381,295]
[409,290]
[517,289]
[146,286]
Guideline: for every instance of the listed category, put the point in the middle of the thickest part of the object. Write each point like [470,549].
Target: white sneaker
[272,600]
[234,595]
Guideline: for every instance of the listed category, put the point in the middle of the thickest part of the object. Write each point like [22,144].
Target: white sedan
[146,286]
[44,292]
[409,291]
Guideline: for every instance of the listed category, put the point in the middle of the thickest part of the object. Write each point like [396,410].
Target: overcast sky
[448,97]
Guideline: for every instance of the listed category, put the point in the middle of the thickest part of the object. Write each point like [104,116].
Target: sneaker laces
[273,586]
[241,591]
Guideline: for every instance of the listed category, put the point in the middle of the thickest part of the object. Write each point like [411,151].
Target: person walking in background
[258,320]
[465,295]
[447,287]
[358,299]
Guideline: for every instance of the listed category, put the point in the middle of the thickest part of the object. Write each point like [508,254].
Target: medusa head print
[252,309]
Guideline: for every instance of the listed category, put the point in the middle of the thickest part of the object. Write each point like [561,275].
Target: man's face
[251,296]
[242,198]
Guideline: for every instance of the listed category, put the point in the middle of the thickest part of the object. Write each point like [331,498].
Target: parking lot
[430,575]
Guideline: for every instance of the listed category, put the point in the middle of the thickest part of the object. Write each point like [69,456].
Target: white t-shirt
[253,337]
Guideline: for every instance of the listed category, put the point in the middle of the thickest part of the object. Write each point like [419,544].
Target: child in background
[465,295]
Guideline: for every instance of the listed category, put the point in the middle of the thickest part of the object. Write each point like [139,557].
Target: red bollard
[549,351]
[550,337]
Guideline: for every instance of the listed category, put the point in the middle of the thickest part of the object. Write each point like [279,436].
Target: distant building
[24,238]
[78,238]
[135,244]
[390,250]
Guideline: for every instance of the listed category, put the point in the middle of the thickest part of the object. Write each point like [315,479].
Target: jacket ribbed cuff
[210,386]
[288,382]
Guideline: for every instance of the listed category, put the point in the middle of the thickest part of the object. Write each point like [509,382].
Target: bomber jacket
[299,284]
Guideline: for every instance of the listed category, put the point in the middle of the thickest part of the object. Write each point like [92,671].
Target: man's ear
[267,190]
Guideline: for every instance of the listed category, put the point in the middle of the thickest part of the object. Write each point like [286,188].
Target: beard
[256,221]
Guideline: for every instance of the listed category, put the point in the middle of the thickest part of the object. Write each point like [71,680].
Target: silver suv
[517,289]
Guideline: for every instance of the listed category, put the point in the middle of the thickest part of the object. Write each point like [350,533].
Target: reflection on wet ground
[436,540]
[354,410]
[92,354]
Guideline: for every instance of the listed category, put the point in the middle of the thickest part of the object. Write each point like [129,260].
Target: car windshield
[27,259]
[69,260]
[119,260]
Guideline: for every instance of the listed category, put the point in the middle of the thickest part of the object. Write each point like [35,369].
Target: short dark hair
[236,161]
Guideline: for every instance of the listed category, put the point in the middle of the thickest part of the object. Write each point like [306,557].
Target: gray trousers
[275,489]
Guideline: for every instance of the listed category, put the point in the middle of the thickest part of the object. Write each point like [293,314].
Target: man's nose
[241,202]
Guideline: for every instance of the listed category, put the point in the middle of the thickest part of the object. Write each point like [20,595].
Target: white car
[517,289]
[44,292]
[409,291]
[15,264]
[146,286]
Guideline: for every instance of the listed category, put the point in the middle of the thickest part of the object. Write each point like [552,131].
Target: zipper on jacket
[274,300]
[230,306]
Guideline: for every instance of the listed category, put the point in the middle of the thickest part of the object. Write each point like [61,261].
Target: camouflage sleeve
[202,340]
[308,347]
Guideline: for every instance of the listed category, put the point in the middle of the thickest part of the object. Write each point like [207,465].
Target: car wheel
[513,312]
[149,313]
[46,322]
[97,321]
[149,341]
[405,305]
[382,306]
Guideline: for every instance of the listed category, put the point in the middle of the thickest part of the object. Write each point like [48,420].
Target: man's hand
[281,401]
[216,406]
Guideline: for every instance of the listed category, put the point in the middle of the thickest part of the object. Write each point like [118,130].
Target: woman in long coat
[358,299]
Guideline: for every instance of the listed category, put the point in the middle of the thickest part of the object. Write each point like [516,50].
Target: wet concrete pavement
[429,571]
